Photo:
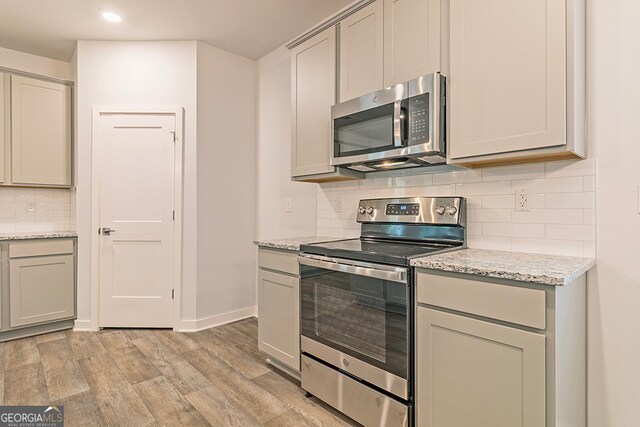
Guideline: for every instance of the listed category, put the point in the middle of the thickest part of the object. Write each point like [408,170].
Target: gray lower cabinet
[38,286]
[499,353]
[279,307]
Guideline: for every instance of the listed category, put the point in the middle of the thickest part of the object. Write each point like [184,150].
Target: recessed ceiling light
[111,17]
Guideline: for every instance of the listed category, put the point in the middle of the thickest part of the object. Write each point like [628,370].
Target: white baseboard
[83,326]
[216,320]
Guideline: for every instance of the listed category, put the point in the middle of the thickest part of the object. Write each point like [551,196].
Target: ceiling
[250,28]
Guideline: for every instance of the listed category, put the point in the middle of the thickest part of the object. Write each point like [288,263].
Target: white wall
[614,286]
[274,156]
[135,73]
[561,219]
[226,133]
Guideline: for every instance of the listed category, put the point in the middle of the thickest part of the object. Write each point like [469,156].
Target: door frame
[96,177]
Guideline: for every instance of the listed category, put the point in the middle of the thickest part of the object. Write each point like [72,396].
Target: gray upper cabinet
[3,128]
[516,81]
[313,77]
[40,133]
[361,52]
[412,41]
[313,92]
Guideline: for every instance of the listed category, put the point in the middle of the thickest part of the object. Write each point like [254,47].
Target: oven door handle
[392,274]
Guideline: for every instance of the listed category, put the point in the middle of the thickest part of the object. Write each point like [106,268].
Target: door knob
[106,231]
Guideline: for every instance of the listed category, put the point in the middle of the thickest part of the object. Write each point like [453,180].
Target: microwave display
[419,119]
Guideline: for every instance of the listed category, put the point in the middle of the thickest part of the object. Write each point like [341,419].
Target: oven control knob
[451,210]
[362,210]
[345,362]
[369,210]
[440,210]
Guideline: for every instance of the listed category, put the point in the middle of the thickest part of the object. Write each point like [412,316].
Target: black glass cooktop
[381,251]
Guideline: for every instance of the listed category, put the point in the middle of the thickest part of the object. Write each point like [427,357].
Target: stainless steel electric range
[357,306]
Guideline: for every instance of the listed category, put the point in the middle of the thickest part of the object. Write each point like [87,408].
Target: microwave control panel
[418,110]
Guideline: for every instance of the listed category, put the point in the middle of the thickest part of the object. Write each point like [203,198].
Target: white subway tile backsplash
[54,209]
[551,247]
[535,231]
[571,200]
[561,219]
[458,177]
[482,188]
[589,183]
[507,201]
[513,172]
[570,168]
[589,216]
[549,216]
[551,185]
[489,242]
[585,232]
[489,215]
[589,249]
[413,180]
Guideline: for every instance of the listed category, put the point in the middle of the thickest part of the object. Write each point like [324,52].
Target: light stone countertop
[525,267]
[38,235]
[293,243]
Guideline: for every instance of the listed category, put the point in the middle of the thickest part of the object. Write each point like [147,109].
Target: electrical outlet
[31,205]
[522,200]
[339,204]
[289,207]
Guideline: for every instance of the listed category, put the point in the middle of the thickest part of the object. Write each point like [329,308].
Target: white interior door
[137,204]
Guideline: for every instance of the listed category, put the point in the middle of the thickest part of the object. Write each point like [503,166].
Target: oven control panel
[416,210]
[402,209]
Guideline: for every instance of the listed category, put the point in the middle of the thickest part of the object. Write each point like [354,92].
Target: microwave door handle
[398,125]
[391,274]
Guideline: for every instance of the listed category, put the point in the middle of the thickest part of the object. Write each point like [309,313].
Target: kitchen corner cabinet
[516,88]
[279,308]
[412,39]
[361,52]
[493,352]
[40,133]
[313,92]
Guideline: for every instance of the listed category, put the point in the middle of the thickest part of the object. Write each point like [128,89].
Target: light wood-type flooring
[140,377]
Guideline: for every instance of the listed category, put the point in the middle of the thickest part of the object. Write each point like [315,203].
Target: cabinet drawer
[521,306]
[284,261]
[40,247]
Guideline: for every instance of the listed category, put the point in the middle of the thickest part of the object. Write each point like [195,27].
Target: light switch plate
[289,207]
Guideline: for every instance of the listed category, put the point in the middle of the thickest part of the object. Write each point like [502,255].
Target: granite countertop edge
[31,235]
[292,243]
[518,266]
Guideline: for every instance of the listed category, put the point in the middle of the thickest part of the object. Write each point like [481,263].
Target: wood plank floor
[146,377]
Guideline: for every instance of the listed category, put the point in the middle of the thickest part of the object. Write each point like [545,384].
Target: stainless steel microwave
[398,127]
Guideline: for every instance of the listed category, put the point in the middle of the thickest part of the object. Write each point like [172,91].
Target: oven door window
[357,315]
[366,132]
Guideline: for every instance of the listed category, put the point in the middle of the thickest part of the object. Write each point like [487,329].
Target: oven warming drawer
[354,399]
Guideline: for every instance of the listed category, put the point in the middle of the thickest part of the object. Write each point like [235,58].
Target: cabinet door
[361,52]
[411,39]
[40,132]
[475,373]
[313,92]
[41,289]
[279,317]
[3,141]
[507,76]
